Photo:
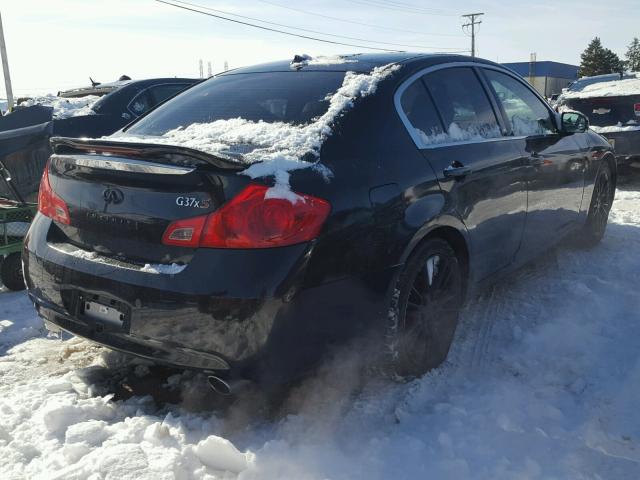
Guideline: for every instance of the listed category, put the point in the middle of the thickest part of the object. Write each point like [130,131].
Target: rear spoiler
[168,154]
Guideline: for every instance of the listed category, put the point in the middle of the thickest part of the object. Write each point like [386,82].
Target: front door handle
[456,170]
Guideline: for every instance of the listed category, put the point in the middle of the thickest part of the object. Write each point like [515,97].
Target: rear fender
[429,226]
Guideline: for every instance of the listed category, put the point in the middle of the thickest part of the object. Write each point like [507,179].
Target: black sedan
[122,106]
[272,212]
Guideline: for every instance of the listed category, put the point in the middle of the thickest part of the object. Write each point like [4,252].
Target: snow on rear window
[271,148]
[456,133]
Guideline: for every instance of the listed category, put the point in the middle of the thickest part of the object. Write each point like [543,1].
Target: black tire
[601,201]
[424,310]
[11,272]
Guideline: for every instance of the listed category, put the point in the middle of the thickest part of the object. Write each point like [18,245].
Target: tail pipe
[226,388]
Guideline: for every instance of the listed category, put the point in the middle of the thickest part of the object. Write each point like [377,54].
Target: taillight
[185,233]
[636,109]
[50,204]
[252,220]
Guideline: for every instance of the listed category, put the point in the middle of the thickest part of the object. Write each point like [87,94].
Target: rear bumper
[626,145]
[240,313]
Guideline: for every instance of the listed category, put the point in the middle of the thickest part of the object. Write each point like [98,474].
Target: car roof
[358,62]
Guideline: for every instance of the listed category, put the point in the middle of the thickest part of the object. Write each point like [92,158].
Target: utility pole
[472,23]
[201,69]
[5,68]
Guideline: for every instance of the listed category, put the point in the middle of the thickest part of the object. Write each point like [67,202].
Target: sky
[58,44]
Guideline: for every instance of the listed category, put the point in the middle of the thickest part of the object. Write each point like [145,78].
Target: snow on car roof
[64,107]
[607,86]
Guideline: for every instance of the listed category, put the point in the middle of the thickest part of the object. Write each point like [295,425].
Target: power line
[407,5]
[354,22]
[275,30]
[472,23]
[312,31]
[388,6]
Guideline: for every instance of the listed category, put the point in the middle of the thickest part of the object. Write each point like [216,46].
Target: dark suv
[612,104]
[268,213]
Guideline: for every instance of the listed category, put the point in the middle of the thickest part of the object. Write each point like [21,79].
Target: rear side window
[526,113]
[421,112]
[160,93]
[141,103]
[150,97]
[463,104]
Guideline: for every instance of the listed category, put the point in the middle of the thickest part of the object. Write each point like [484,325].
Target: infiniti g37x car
[259,218]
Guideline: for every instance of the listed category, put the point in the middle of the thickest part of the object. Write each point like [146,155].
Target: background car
[305,206]
[612,104]
[25,133]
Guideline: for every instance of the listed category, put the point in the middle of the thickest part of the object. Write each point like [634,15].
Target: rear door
[454,123]
[556,180]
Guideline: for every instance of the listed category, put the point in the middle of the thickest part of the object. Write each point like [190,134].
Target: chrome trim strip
[411,130]
[108,162]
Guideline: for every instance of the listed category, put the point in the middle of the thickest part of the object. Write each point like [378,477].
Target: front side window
[463,105]
[526,113]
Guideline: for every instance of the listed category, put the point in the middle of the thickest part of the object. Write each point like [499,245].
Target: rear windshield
[290,97]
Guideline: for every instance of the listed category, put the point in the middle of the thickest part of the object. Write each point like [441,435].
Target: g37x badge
[193,202]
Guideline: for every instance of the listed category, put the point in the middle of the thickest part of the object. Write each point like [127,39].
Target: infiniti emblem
[113,195]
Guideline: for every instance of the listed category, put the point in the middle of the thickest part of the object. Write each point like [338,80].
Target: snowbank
[279,147]
[616,88]
[64,107]
[542,382]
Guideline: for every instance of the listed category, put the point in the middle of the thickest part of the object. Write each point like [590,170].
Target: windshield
[290,97]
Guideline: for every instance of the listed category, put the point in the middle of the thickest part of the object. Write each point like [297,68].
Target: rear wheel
[601,201]
[424,311]
[11,272]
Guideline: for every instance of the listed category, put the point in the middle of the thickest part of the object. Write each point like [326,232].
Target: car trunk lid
[122,196]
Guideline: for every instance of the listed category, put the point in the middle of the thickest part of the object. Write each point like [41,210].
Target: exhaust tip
[219,386]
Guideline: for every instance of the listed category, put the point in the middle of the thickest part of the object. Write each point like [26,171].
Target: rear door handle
[456,170]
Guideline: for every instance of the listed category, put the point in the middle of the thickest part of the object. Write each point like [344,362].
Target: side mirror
[573,122]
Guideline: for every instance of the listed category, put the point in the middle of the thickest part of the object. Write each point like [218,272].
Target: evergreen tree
[597,60]
[612,64]
[633,56]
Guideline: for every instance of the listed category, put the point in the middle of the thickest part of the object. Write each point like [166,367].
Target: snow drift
[542,382]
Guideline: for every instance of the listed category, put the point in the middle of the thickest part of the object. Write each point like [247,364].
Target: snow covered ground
[543,382]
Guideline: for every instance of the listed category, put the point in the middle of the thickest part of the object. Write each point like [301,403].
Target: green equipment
[15,218]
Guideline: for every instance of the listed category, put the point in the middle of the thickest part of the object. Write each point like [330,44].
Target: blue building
[546,77]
